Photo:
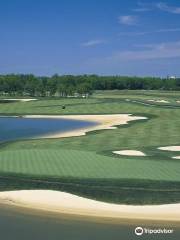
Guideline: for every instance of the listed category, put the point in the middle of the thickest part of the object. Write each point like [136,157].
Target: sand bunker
[158,101]
[62,202]
[170,148]
[176,157]
[130,153]
[20,99]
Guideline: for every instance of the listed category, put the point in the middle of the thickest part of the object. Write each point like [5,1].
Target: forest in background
[79,85]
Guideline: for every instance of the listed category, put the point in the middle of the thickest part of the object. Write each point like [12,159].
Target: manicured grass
[90,157]
[143,94]
[83,164]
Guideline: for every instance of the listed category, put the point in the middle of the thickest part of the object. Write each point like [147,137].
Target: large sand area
[66,203]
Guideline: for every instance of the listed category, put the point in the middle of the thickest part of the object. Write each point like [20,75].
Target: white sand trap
[158,101]
[162,101]
[170,148]
[130,153]
[178,101]
[20,99]
[63,202]
[176,157]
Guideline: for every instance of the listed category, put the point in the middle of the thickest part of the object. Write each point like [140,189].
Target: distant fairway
[87,163]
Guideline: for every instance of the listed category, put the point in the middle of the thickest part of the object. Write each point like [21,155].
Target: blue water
[12,128]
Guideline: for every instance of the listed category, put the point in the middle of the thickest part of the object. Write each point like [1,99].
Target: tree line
[82,85]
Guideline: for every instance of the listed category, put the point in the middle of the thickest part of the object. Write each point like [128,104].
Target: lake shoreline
[102,122]
[69,205]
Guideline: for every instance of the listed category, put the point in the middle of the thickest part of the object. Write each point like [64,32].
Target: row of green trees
[82,85]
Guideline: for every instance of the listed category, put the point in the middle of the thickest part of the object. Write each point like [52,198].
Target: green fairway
[88,161]
[81,164]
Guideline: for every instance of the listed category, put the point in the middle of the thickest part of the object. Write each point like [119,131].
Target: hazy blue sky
[90,36]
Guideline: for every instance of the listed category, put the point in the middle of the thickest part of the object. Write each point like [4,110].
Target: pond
[14,128]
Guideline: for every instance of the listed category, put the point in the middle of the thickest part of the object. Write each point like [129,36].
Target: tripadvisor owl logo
[138,231]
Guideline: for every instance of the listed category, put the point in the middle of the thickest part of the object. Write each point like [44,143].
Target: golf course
[89,165]
[90,120]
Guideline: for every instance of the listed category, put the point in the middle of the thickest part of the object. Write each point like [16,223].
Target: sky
[105,37]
